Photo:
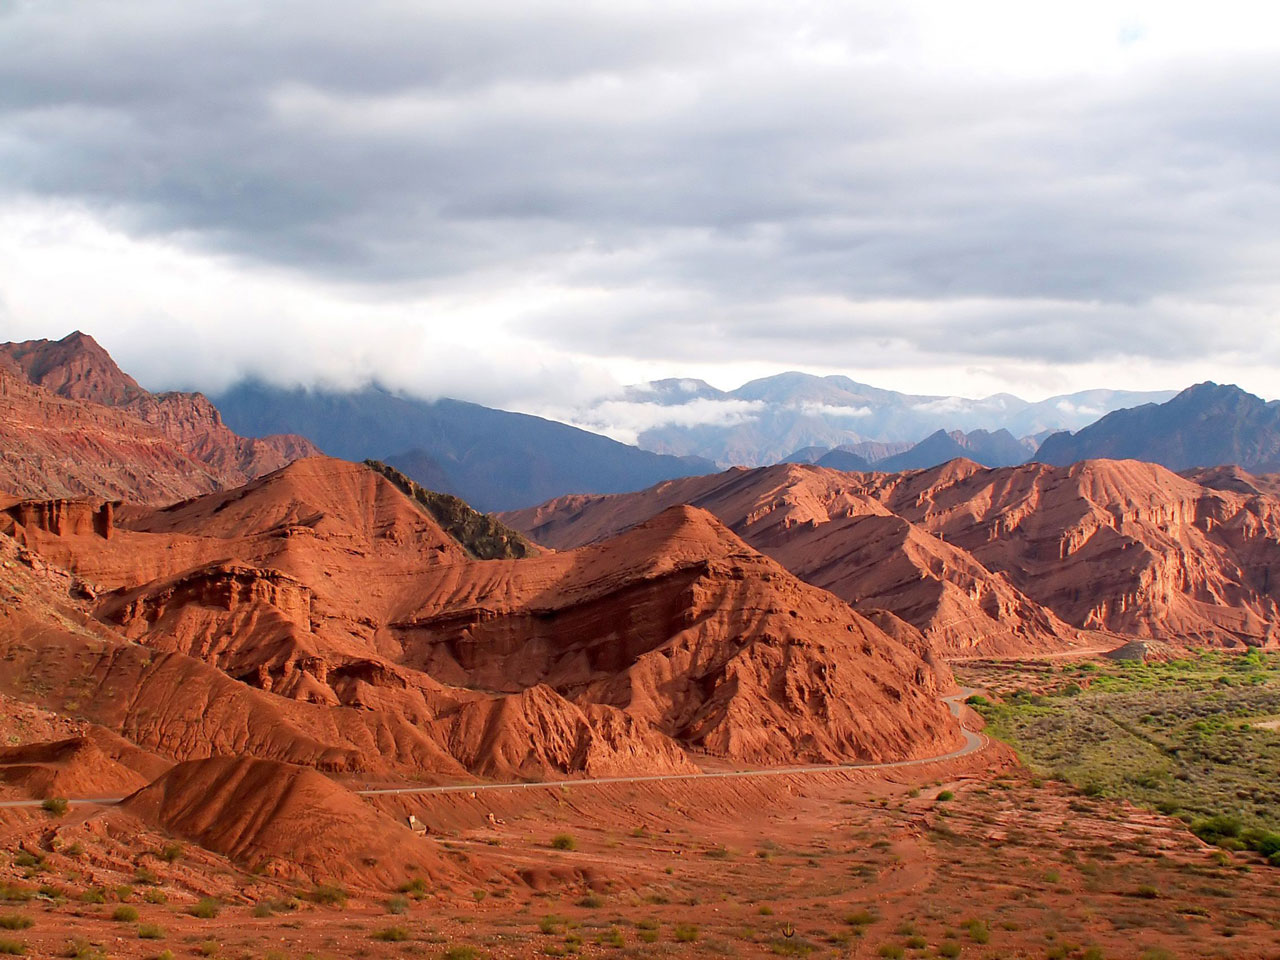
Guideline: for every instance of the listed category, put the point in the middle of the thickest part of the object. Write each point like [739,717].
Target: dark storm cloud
[693,150]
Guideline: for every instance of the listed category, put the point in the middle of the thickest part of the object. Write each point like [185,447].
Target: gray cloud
[736,178]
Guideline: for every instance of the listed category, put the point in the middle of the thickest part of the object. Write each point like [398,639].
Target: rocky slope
[996,559]
[317,616]
[112,438]
[818,524]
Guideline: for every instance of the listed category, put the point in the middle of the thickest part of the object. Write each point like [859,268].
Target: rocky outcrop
[822,527]
[284,821]
[110,437]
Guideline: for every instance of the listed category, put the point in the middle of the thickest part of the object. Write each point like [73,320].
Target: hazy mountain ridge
[771,419]
[1206,425]
[493,459]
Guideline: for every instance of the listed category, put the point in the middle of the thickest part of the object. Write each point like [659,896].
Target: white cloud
[625,420]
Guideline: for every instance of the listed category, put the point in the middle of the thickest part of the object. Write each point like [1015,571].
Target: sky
[528,204]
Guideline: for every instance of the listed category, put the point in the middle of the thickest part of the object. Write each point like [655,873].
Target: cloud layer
[541,195]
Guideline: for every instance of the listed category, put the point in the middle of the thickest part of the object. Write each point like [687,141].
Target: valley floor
[969,857]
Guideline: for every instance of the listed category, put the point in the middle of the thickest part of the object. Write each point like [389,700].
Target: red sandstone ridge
[1117,545]
[318,616]
[821,527]
[996,560]
[109,437]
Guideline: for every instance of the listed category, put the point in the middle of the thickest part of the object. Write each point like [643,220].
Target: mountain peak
[75,367]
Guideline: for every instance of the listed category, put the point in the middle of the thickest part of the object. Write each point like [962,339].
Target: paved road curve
[972,742]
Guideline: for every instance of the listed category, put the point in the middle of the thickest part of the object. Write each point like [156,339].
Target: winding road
[972,743]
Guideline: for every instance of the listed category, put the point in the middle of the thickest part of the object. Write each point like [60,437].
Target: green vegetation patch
[1173,736]
[479,534]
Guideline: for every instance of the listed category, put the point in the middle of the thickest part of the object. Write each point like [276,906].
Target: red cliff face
[317,616]
[822,527]
[74,424]
[996,561]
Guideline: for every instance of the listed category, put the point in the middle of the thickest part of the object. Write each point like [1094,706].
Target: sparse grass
[170,852]
[1174,736]
[460,952]
[56,806]
[209,948]
[13,948]
[124,914]
[392,934]
[15,921]
[398,905]
[890,951]
[416,888]
[685,933]
[564,841]
[328,894]
[150,931]
[206,908]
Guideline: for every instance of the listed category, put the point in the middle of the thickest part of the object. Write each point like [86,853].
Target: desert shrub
[150,931]
[398,905]
[206,908]
[1147,892]
[392,935]
[946,795]
[890,951]
[685,932]
[613,937]
[793,947]
[25,858]
[13,948]
[860,918]
[94,895]
[155,896]
[591,901]
[1093,953]
[81,949]
[416,888]
[55,805]
[263,908]
[328,894]
[209,948]
[1217,828]
[170,852]
[15,921]
[949,949]
[124,914]
[563,841]
[15,893]
[916,942]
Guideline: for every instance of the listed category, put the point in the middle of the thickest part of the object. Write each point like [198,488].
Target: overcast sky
[527,203]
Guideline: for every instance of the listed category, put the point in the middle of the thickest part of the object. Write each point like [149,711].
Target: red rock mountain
[316,616]
[73,423]
[985,560]
[821,526]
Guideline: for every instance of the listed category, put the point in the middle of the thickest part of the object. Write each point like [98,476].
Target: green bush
[124,914]
[563,841]
[890,951]
[946,795]
[14,948]
[150,931]
[392,935]
[15,921]
[206,908]
[55,805]
[685,932]
[328,894]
